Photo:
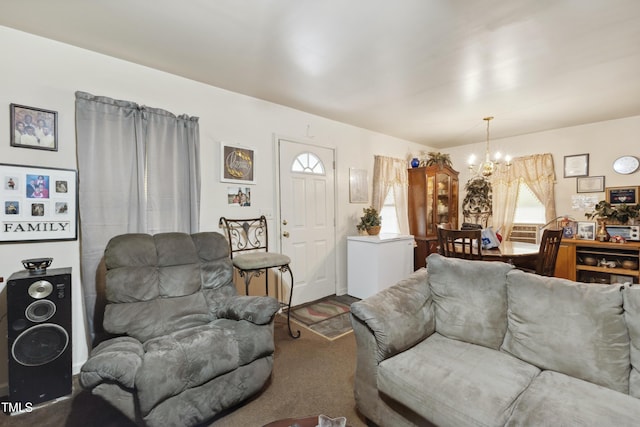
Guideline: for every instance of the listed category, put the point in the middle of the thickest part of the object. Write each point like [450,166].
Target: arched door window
[308,163]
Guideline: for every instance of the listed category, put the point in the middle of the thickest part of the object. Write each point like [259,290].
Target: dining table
[520,254]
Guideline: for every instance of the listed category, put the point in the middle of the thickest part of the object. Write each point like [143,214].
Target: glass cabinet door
[443,198]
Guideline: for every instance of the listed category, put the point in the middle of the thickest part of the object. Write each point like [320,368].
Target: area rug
[328,317]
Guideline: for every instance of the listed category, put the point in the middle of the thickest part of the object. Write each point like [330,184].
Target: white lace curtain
[390,174]
[139,173]
[537,171]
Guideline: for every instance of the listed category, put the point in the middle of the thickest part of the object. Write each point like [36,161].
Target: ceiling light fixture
[488,166]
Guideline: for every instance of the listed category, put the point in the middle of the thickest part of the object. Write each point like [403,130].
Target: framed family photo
[238,164]
[38,204]
[586,230]
[33,128]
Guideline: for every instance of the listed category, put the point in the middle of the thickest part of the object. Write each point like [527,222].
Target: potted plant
[438,159]
[370,221]
[626,213]
[614,214]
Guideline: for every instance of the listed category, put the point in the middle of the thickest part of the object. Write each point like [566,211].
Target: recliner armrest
[399,316]
[115,360]
[255,309]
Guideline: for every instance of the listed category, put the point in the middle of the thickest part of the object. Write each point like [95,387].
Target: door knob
[285,234]
[284,222]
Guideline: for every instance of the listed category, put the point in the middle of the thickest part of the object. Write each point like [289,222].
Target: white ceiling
[422,70]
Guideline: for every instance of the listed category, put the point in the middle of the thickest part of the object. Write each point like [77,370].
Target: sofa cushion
[452,383]
[560,400]
[574,328]
[470,299]
[631,297]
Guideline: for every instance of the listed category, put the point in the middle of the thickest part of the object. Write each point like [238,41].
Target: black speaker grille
[40,345]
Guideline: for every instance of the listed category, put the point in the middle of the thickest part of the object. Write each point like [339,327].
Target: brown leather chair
[465,244]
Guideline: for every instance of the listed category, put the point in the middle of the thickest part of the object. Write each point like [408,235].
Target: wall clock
[626,164]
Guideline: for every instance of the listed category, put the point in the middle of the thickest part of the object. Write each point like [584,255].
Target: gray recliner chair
[188,347]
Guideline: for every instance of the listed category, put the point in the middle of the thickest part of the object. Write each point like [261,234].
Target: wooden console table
[576,261]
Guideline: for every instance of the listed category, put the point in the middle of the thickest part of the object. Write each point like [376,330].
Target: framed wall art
[38,204]
[576,165]
[358,186]
[590,184]
[622,195]
[238,164]
[33,128]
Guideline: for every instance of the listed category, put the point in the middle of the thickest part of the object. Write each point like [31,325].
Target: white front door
[307,218]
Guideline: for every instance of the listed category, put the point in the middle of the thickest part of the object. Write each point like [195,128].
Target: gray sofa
[475,343]
[187,347]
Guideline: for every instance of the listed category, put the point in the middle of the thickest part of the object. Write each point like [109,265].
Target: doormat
[328,317]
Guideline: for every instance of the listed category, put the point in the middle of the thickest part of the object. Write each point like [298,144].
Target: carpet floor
[328,317]
[311,376]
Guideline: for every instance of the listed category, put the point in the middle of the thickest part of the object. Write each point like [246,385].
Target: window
[389,216]
[308,163]
[529,210]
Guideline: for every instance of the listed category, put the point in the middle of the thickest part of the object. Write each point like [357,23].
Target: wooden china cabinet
[433,200]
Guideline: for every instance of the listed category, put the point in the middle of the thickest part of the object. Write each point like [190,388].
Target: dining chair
[465,244]
[249,251]
[549,246]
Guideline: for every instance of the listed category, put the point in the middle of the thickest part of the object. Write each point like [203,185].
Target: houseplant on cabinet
[606,213]
[370,221]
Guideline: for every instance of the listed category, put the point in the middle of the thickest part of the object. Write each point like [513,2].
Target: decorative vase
[602,235]
[415,162]
[374,230]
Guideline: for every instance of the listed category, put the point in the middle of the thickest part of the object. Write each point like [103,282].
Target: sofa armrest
[400,316]
[116,360]
[255,309]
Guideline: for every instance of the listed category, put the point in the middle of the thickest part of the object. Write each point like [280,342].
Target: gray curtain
[138,173]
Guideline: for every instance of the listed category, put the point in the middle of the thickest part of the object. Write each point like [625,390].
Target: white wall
[45,74]
[603,141]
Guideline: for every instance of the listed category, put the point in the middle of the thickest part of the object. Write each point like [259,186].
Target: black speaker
[39,335]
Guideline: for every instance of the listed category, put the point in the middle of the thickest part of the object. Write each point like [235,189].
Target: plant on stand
[370,221]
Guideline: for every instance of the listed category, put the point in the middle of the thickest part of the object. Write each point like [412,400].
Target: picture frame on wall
[237,164]
[586,230]
[590,184]
[34,128]
[576,165]
[622,195]
[358,186]
[38,204]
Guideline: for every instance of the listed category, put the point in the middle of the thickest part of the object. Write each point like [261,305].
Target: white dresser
[377,262]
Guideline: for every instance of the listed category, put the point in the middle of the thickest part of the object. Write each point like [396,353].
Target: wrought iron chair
[460,243]
[249,250]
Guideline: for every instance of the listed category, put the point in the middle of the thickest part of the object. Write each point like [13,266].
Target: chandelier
[488,166]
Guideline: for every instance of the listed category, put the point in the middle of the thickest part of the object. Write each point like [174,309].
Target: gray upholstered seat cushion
[191,357]
[452,383]
[555,399]
[470,299]
[574,328]
[258,260]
